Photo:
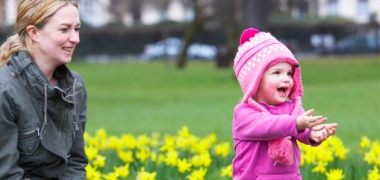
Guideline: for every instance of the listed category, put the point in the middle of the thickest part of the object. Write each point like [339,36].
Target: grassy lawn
[140,98]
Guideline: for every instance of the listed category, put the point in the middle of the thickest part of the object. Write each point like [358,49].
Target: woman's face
[55,42]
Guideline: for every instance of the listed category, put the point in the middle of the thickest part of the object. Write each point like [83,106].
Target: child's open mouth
[282,89]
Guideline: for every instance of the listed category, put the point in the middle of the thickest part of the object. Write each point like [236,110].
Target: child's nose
[286,79]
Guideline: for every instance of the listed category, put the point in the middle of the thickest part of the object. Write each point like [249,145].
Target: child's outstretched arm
[320,133]
[306,120]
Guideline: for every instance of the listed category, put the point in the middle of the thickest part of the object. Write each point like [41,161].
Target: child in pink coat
[270,119]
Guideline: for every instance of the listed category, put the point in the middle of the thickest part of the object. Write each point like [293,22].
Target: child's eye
[276,72]
[290,73]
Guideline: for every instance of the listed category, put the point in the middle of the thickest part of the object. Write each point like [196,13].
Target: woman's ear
[32,32]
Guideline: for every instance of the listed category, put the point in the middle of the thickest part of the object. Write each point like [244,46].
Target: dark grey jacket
[41,138]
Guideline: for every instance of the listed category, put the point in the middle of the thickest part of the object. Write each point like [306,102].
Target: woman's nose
[74,37]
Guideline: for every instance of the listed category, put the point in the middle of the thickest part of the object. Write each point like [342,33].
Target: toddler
[270,119]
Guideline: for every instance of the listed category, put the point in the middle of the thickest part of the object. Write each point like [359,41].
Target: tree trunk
[191,31]
[257,14]
[232,30]
[136,11]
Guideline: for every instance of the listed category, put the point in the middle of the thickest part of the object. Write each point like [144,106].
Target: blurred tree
[313,8]
[374,27]
[231,14]
[203,11]
[118,9]
[162,6]
[2,13]
[257,14]
[135,8]
[235,15]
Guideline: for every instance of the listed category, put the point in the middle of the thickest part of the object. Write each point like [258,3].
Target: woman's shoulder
[6,75]
[77,76]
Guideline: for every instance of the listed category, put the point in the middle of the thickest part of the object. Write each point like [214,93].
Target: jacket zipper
[62,120]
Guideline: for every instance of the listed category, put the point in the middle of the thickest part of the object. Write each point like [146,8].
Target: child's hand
[308,121]
[320,133]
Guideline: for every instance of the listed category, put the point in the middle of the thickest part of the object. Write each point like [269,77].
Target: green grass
[140,98]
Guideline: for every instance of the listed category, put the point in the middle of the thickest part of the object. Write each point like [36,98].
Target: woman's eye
[77,29]
[64,29]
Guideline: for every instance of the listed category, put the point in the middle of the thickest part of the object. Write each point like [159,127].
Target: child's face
[275,85]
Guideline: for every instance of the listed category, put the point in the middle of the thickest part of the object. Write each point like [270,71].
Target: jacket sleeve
[303,135]
[78,161]
[9,154]
[250,124]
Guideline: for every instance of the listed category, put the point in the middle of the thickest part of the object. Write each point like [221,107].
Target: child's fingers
[318,127]
[317,120]
[332,131]
[332,125]
[309,112]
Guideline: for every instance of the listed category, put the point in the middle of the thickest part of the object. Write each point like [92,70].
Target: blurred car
[358,44]
[171,47]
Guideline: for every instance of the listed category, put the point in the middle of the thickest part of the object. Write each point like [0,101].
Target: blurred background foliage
[114,29]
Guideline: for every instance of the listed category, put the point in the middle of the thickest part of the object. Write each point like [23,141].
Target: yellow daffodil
[197,174]
[227,171]
[183,165]
[321,167]
[122,171]
[143,154]
[171,158]
[129,141]
[374,174]
[365,142]
[205,159]
[143,140]
[373,155]
[143,175]
[222,149]
[102,134]
[100,161]
[111,176]
[91,152]
[126,156]
[161,158]
[184,132]
[169,144]
[115,143]
[92,173]
[335,174]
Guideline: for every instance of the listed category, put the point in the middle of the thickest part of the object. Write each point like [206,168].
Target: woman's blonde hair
[29,12]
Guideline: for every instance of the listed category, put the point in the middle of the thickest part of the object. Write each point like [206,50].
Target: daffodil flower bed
[185,156]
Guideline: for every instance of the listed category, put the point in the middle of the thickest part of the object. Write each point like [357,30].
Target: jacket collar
[34,79]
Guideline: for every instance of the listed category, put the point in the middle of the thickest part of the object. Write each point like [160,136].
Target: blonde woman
[43,105]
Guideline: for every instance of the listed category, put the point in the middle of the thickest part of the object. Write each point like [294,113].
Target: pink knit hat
[257,52]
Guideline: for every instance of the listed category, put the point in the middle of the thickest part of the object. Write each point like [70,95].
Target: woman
[43,105]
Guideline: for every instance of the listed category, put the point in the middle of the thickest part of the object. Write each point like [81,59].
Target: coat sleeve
[78,161]
[250,124]
[9,154]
